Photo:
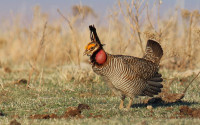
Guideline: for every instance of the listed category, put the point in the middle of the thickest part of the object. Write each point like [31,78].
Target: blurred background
[102,8]
[51,33]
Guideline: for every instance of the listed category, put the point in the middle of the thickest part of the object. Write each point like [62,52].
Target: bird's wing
[146,72]
[140,67]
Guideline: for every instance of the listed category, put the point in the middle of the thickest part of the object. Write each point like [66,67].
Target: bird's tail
[154,85]
[153,52]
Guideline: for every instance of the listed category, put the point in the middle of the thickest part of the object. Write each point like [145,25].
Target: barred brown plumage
[127,76]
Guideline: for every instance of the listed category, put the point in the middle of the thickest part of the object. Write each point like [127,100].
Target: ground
[34,102]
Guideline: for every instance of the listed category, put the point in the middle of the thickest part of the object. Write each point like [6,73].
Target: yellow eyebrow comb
[89,46]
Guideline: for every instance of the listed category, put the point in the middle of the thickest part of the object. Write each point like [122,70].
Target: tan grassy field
[46,57]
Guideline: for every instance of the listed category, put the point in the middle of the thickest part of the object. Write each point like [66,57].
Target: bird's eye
[91,48]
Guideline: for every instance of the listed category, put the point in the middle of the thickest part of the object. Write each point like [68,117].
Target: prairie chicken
[127,76]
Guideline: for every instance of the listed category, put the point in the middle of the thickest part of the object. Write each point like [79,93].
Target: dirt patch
[172,97]
[71,112]
[1,113]
[86,95]
[187,111]
[75,111]
[83,106]
[15,122]
[95,116]
[7,70]
[43,116]
[20,82]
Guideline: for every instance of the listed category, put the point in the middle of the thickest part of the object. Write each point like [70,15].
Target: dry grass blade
[74,34]
[133,17]
[69,23]
[42,40]
[190,83]
[40,48]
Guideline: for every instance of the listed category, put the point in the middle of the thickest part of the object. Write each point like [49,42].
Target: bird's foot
[129,104]
[121,106]
[123,109]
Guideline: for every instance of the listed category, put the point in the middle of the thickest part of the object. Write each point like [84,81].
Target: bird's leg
[129,104]
[121,105]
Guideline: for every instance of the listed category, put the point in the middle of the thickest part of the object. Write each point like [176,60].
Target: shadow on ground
[163,104]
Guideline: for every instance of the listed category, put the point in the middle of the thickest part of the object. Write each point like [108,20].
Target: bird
[127,76]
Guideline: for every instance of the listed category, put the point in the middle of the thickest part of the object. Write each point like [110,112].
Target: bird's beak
[85,53]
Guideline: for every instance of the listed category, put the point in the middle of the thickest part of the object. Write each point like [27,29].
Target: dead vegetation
[84,11]
[50,44]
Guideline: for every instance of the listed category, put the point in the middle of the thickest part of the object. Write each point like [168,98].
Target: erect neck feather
[101,57]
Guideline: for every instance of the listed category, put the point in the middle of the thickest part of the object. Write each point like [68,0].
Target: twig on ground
[190,83]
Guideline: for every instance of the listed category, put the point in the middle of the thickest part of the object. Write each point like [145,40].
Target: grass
[55,94]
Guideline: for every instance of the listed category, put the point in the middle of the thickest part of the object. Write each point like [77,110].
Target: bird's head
[91,48]
[95,43]
[94,49]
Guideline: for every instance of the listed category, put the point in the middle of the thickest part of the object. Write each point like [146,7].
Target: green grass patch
[53,94]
